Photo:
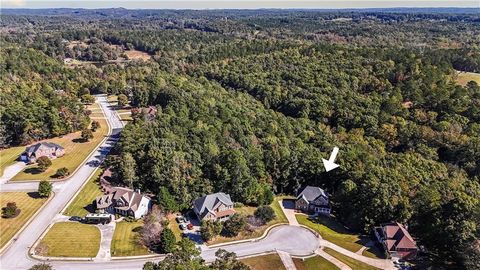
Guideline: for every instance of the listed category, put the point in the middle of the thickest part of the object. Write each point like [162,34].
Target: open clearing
[28,203]
[354,264]
[334,232]
[249,210]
[83,202]
[125,240]
[75,153]
[71,239]
[464,77]
[314,263]
[266,262]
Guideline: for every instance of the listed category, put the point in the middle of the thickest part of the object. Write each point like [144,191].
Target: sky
[239,4]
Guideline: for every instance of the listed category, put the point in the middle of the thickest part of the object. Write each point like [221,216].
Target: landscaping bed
[27,203]
[70,239]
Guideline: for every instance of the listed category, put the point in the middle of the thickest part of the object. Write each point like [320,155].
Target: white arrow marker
[330,163]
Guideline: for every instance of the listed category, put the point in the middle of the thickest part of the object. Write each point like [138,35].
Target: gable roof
[206,203]
[40,145]
[398,237]
[120,193]
[311,193]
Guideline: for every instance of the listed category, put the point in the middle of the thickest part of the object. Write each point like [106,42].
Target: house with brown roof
[48,149]
[396,240]
[123,201]
[217,206]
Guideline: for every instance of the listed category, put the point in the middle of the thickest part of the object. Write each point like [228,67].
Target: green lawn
[82,204]
[28,203]
[334,232]
[75,153]
[266,262]
[354,264]
[71,239]
[464,77]
[174,226]
[249,210]
[314,263]
[125,240]
[9,156]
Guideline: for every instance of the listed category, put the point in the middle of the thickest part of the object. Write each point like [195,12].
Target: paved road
[11,171]
[15,256]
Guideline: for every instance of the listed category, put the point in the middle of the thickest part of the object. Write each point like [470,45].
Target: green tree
[167,201]
[209,229]
[185,256]
[95,125]
[62,172]
[43,163]
[88,99]
[167,241]
[86,135]
[265,213]
[44,188]
[128,169]
[233,226]
[122,100]
[228,261]
[11,210]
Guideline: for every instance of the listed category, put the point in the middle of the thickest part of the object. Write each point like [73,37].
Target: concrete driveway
[288,207]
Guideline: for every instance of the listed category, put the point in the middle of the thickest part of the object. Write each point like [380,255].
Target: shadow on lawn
[34,195]
[34,170]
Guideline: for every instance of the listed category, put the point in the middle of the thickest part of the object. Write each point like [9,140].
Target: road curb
[248,240]
[7,245]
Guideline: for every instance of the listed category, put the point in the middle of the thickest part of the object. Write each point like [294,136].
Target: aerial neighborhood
[248,135]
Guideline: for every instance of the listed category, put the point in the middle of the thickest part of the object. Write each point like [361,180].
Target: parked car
[180,219]
[75,218]
[190,226]
[183,226]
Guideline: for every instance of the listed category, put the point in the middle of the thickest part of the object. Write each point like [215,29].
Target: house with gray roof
[48,149]
[217,206]
[123,201]
[313,200]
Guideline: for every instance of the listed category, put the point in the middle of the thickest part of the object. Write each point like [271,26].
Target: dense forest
[250,101]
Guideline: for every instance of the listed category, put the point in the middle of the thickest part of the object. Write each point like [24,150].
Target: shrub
[86,135]
[209,229]
[43,163]
[122,100]
[44,188]
[167,241]
[95,126]
[62,172]
[234,225]
[10,210]
[41,266]
[265,213]
[87,98]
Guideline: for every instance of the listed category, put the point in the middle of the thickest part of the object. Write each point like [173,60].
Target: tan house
[123,201]
[48,149]
[396,240]
[217,206]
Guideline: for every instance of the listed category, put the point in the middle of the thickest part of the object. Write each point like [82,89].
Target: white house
[123,201]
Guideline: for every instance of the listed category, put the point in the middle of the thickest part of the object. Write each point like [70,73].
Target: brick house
[48,149]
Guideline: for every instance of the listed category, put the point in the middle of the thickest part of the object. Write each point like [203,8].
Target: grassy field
[9,156]
[75,152]
[314,263]
[336,233]
[354,264]
[71,239]
[28,203]
[125,240]
[266,262]
[174,226]
[464,77]
[248,210]
[82,204]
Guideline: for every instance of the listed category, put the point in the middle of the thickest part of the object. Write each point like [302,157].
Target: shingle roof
[206,203]
[35,147]
[398,237]
[311,193]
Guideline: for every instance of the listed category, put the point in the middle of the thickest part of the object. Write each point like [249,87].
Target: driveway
[11,171]
[288,207]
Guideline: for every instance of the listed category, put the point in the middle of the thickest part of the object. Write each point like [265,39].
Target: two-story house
[123,201]
[396,240]
[313,200]
[217,206]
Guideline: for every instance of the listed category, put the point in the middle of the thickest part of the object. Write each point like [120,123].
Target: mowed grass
[75,153]
[464,77]
[9,156]
[334,232]
[249,210]
[83,202]
[174,226]
[354,264]
[125,240]
[314,263]
[265,262]
[28,203]
[72,239]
